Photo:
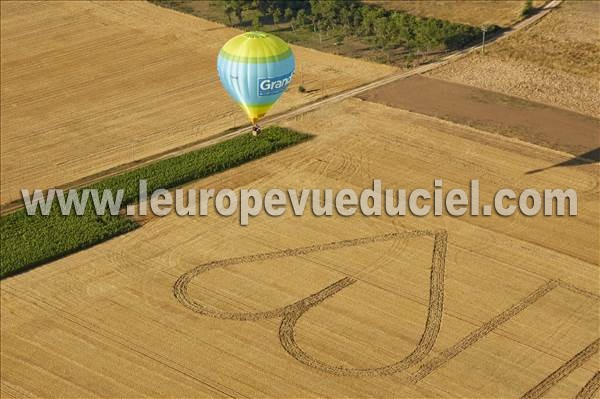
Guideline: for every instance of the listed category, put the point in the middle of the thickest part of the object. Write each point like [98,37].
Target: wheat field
[503,13]
[328,306]
[89,86]
[554,61]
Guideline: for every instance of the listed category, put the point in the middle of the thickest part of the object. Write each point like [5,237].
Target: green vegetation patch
[345,27]
[28,241]
[176,171]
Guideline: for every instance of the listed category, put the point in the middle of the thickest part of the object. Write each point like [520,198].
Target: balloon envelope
[255,68]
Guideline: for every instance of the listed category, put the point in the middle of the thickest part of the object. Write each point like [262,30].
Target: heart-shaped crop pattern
[290,314]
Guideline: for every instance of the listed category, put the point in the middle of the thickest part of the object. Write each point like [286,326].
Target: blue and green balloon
[255,68]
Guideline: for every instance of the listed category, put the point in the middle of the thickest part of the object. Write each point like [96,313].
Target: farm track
[292,113]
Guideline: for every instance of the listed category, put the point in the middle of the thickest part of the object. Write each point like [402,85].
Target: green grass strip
[29,241]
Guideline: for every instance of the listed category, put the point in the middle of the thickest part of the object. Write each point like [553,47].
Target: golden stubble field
[554,61]
[88,86]
[473,12]
[329,306]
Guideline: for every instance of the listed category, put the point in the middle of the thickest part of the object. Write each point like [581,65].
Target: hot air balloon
[255,68]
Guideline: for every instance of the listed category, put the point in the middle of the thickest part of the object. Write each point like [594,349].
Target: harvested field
[473,12]
[87,86]
[30,240]
[554,61]
[329,306]
[491,111]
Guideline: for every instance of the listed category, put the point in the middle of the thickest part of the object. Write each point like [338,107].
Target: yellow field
[434,306]
[473,12]
[554,61]
[87,86]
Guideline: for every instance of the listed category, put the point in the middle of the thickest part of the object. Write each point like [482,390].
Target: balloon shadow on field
[589,157]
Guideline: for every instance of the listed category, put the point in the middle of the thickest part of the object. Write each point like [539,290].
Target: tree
[289,16]
[256,22]
[300,18]
[369,16]
[263,6]
[345,17]
[382,32]
[313,20]
[228,11]
[276,16]
[319,26]
[339,35]
[527,8]
[238,9]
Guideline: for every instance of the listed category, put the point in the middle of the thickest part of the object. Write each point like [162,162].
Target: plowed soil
[554,61]
[491,111]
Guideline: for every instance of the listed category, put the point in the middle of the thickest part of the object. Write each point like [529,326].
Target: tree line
[386,29]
